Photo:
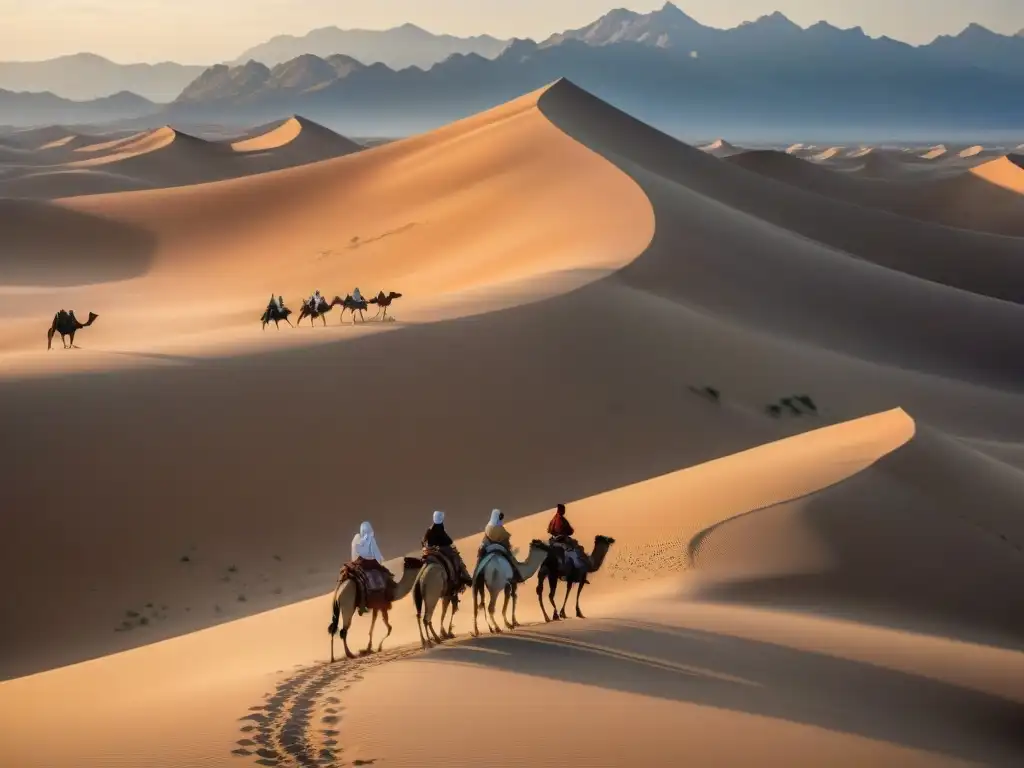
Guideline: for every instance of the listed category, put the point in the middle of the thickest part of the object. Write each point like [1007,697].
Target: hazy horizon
[161,30]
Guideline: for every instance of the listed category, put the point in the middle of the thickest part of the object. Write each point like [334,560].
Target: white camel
[494,573]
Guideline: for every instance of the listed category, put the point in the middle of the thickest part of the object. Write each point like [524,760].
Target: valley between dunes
[835,583]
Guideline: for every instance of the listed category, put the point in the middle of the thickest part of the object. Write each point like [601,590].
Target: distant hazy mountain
[775,36]
[839,83]
[404,46]
[31,109]
[85,76]
[981,47]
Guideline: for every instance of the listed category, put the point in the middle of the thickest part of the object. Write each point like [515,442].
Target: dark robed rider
[559,527]
[561,531]
[437,537]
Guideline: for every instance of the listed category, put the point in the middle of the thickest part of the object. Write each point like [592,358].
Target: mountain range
[399,47]
[662,66]
[22,110]
[86,76]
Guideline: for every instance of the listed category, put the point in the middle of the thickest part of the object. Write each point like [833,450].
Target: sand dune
[571,279]
[165,157]
[1006,172]
[935,152]
[974,199]
[827,154]
[862,152]
[721,148]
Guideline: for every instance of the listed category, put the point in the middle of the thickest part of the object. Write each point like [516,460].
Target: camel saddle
[571,554]
[447,558]
[500,550]
[375,587]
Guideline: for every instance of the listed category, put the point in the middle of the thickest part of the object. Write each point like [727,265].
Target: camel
[351,304]
[558,567]
[320,311]
[275,316]
[66,324]
[495,573]
[433,585]
[344,604]
[384,301]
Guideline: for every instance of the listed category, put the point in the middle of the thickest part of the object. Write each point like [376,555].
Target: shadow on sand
[762,679]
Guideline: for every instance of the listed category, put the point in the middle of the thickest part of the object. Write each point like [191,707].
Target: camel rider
[366,557]
[561,531]
[314,302]
[270,306]
[280,303]
[356,295]
[497,536]
[437,537]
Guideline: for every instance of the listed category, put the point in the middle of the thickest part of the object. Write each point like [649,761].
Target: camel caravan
[318,306]
[440,576]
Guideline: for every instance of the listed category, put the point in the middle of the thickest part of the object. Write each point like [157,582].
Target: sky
[209,31]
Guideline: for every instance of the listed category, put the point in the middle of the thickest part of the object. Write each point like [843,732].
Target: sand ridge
[74,165]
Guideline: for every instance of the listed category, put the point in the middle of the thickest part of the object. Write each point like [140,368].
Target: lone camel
[66,324]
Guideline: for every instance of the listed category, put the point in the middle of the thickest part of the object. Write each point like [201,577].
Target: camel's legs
[568,591]
[477,605]
[553,583]
[385,312]
[492,622]
[323,319]
[515,599]
[446,632]
[504,606]
[579,613]
[451,620]
[373,623]
[289,322]
[346,623]
[430,625]
[419,625]
[384,616]
[541,575]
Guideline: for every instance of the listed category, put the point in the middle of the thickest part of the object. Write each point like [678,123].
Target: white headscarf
[438,518]
[364,544]
[495,517]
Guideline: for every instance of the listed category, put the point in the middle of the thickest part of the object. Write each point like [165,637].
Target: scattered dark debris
[792,406]
[186,559]
[242,598]
[132,614]
[232,569]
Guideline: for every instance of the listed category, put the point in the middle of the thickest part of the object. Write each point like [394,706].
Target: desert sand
[795,406]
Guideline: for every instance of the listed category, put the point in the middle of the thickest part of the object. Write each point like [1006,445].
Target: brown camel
[494,572]
[343,604]
[66,324]
[558,566]
[433,585]
[383,301]
[313,313]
